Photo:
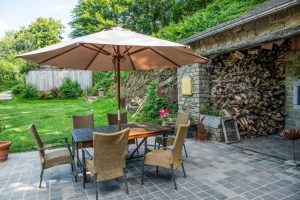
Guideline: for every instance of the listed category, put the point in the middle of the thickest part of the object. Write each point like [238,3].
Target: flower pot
[4,147]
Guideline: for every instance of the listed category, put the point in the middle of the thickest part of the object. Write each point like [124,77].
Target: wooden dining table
[84,136]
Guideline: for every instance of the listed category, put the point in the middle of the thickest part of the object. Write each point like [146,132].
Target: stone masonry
[200,91]
[271,22]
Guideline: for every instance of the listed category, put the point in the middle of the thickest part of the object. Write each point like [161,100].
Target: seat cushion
[57,157]
[159,157]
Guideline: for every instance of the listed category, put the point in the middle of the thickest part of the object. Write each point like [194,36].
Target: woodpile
[248,86]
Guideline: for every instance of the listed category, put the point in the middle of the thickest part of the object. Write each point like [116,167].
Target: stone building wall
[200,88]
[292,63]
[267,28]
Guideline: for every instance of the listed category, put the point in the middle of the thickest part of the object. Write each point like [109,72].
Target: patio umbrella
[116,50]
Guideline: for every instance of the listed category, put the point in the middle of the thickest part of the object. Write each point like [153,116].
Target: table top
[137,130]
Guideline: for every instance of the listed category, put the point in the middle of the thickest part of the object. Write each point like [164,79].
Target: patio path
[215,171]
[5,96]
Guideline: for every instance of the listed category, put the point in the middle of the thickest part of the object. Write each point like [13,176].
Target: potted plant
[4,145]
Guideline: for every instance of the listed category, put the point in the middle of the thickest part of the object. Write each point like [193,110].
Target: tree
[90,16]
[148,17]
[41,33]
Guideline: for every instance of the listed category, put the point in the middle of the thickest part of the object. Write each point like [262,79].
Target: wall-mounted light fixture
[186,85]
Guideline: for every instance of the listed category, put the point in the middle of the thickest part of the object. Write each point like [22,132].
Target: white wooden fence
[46,80]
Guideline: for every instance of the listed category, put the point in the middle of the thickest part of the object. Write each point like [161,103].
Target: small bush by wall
[152,105]
[70,89]
[30,92]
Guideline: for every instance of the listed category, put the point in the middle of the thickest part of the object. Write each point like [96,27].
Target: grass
[52,118]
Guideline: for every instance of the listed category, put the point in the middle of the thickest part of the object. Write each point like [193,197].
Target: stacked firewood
[248,86]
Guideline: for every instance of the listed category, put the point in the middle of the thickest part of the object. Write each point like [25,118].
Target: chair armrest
[57,139]
[85,152]
[53,146]
[167,147]
[161,137]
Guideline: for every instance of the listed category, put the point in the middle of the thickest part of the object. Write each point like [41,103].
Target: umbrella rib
[59,54]
[193,55]
[165,57]
[88,66]
[133,66]
[99,50]
[127,49]
[138,50]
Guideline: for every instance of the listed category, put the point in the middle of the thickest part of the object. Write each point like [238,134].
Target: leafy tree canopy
[40,33]
[214,13]
[146,17]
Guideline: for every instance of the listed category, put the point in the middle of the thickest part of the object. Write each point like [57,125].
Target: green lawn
[52,117]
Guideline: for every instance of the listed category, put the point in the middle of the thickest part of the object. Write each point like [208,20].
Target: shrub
[18,89]
[152,105]
[55,93]
[94,90]
[208,110]
[45,95]
[70,89]
[30,92]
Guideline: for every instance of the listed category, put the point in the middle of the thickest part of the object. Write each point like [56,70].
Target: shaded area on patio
[272,145]
[214,171]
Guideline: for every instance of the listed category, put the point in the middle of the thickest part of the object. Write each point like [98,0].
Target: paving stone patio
[214,171]
[272,145]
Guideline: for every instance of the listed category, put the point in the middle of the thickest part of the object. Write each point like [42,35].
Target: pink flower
[163,113]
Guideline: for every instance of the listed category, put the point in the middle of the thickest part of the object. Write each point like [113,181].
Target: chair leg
[74,170]
[96,187]
[173,177]
[155,143]
[84,176]
[158,145]
[184,174]
[157,169]
[41,177]
[143,168]
[137,145]
[126,184]
[185,150]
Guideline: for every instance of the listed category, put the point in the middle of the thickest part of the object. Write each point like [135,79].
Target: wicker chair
[112,119]
[169,158]
[109,160]
[182,118]
[85,121]
[53,158]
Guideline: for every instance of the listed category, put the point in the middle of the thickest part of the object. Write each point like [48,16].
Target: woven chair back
[86,121]
[178,143]
[37,139]
[109,154]
[112,118]
[182,118]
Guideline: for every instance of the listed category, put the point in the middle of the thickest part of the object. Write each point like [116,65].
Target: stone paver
[272,145]
[214,171]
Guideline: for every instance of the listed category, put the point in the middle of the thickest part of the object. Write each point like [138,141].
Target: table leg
[165,134]
[136,149]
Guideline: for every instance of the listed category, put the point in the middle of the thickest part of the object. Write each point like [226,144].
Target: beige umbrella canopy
[116,50]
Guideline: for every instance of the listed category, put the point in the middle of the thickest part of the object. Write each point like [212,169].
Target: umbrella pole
[119,92]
